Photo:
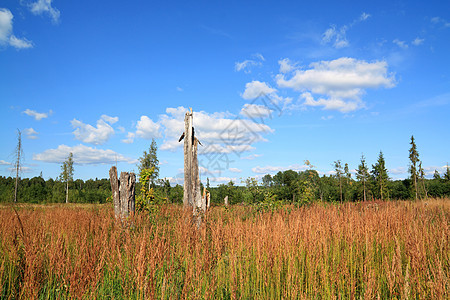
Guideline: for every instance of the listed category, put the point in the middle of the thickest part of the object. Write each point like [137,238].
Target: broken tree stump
[123,191]
[192,197]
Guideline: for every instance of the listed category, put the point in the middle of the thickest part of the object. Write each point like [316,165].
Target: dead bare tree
[18,155]
[192,197]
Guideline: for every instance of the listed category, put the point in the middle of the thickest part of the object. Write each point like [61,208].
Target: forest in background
[288,186]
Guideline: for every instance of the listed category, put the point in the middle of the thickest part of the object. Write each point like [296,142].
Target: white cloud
[255,111]
[218,132]
[130,138]
[222,179]
[286,65]
[45,7]
[7,38]
[251,156]
[36,115]
[31,133]
[245,65]
[399,170]
[275,169]
[147,129]
[248,63]
[256,89]
[338,36]
[82,155]
[332,103]
[235,170]
[343,81]
[418,41]
[179,89]
[110,120]
[364,16]
[440,21]
[94,135]
[401,44]
[4,163]
[20,43]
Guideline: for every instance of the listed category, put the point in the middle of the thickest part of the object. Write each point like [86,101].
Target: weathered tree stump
[192,197]
[123,191]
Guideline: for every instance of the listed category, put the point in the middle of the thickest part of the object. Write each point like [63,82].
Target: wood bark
[187,196]
[126,193]
[123,191]
[115,190]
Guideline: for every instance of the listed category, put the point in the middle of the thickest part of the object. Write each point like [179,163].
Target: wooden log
[115,190]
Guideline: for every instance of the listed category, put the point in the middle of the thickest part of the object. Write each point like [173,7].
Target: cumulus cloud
[256,89]
[130,138]
[286,65]
[37,115]
[94,135]
[256,111]
[147,129]
[82,155]
[338,36]
[275,169]
[343,81]
[31,133]
[41,7]
[218,132]
[235,170]
[7,38]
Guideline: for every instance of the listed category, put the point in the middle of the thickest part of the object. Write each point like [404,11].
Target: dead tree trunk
[115,190]
[187,196]
[192,197]
[123,192]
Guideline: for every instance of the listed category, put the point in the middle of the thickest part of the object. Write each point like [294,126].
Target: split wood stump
[123,191]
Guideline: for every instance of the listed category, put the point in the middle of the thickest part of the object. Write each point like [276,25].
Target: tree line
[370,183]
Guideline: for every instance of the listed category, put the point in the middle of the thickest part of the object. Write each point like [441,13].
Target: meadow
[383,250]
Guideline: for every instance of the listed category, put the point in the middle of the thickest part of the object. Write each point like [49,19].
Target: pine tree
[414,159]
[150,160]
[339,172]
[67,173]
[362,174]
[380,175]
[436,175]
[447,173]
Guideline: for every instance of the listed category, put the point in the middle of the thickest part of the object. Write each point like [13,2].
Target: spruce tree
[362,174]
[414,159]
[380,175]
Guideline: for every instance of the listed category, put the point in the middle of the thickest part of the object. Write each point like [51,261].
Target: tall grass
[376,250]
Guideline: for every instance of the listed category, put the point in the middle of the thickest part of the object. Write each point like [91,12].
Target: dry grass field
[370,250]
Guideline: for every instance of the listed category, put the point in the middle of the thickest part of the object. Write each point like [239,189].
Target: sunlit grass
[383,250]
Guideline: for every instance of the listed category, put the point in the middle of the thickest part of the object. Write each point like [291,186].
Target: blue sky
[272,84]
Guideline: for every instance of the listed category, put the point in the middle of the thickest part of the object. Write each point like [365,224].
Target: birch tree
[67,173]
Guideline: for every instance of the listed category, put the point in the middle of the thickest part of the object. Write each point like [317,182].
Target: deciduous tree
[67,173]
